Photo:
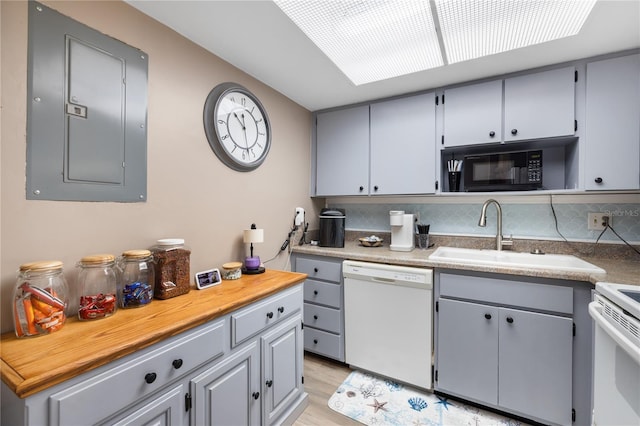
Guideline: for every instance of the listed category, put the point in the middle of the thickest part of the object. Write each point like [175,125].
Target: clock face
[237,127]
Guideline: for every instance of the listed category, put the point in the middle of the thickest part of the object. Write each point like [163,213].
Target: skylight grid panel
[370,40]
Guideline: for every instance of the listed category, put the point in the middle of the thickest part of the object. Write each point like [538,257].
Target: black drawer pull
[598,180]
[315,270]
[315,341]
[281,309]
[269,315]
[361,188]
[487,316]
[177,363]
[514,131]
[315,317]
[510,320]
[269,383]
[255,395]
[150,377]
[492,133]
[315,292]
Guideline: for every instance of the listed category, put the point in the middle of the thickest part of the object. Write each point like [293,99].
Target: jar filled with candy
[135,287]
[172,273]
[97,286]
[40,299]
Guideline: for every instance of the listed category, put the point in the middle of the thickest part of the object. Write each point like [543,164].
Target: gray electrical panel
[86,113]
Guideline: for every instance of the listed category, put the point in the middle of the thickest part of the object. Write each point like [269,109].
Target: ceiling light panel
[369,40]
[475,28]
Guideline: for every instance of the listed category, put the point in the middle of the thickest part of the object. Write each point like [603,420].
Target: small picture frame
[208,278]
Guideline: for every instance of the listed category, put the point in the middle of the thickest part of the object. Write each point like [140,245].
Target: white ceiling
[258,38]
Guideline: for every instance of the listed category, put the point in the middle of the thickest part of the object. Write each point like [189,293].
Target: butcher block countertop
[29,365]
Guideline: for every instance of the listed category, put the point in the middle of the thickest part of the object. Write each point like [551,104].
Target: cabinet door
[540,105]
[229,392]
[403,146]
[342,152]
[535,373]
[473,114]
[612,137]
[282,350]
[467,349]
[164,410]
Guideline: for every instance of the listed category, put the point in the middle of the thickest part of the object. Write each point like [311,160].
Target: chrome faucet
[500,242]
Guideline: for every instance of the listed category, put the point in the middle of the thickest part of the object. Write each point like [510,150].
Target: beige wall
[191,194]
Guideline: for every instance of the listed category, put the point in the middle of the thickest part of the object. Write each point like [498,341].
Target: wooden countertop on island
[29,365]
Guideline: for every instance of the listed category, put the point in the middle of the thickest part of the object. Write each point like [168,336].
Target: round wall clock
[237,127]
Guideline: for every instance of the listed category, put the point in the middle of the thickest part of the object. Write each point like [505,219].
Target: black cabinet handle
[269,383]
[177,363]
[315,317]
[315,292]
[361,188]
[269,315]
[315,341]
[514,131]
[487,316]
[255,395]
[315,270]
[598,180]
[150,377]
[510,320]
[375,188]
[281,309]
[492,133]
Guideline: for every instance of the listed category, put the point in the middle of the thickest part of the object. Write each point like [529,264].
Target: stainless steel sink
[556,262]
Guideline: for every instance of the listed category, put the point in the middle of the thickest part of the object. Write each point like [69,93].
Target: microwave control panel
[534,167]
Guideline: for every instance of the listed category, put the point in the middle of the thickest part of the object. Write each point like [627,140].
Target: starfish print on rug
[445,403]
[377,406]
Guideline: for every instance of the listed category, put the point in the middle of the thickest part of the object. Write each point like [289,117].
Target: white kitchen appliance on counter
[402,231]
[388,320]
[616,358]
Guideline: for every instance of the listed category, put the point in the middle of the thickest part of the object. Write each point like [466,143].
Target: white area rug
[375,401]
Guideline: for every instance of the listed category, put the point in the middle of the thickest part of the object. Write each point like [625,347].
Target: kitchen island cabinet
[516,344]
[199,359]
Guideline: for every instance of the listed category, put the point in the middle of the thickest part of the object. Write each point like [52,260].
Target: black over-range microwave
[508,171]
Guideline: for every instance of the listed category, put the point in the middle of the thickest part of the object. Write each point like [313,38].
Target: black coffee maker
[332,227]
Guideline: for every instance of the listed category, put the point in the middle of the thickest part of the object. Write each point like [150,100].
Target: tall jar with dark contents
[135,286]
[97,286]
[40,298]
[172,274]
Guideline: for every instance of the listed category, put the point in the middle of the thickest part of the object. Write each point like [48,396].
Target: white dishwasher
[388,315]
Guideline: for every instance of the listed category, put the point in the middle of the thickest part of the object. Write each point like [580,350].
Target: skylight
[372,40]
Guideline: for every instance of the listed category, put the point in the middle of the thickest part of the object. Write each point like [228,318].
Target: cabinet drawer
[320,317]
[320,269]
[324,343]
[250,321]
[507,292]
[323,293]
[131,380]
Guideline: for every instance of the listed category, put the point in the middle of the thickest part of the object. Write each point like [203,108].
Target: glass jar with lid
[172,274]
[40,298]
[135,287]
[97,286]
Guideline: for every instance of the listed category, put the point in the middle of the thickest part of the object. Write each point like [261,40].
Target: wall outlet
[598,221]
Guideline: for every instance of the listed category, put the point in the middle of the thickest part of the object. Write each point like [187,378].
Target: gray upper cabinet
[359,149]
[473,114]
[540,105]
[342,153]
[403,146]
[612,140]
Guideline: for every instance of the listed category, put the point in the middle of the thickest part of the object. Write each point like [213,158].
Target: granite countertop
[623,269]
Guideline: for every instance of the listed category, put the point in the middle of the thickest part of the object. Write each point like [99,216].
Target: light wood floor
[321,379]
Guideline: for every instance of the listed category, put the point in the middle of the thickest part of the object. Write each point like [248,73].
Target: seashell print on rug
[378,402]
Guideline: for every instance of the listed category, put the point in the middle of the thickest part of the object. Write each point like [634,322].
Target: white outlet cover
[594,221]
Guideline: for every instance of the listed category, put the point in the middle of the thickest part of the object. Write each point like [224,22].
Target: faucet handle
[507,242]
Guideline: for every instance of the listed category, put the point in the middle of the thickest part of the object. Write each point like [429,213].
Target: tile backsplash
[520,219]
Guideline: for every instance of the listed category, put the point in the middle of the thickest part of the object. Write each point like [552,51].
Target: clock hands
[244,130]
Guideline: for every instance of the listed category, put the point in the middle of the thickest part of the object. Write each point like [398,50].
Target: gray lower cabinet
[509,344]
[323,305]
[241,369]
